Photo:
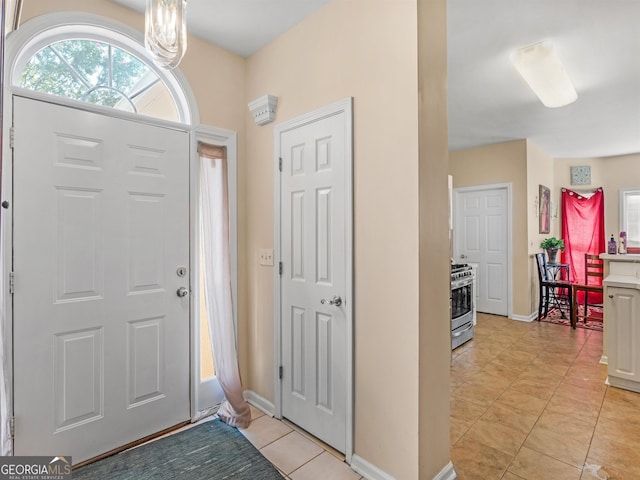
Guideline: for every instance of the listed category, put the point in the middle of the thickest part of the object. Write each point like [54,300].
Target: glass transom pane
[101,74]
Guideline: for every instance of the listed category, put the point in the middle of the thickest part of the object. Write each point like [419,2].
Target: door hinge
[11,139]
[12,427]
[280,163]
[280,268]
[12,284]
[280,372]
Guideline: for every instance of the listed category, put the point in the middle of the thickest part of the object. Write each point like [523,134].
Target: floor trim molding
[447,473]
[525,318]
[259,402]
[371,472]
[368,470]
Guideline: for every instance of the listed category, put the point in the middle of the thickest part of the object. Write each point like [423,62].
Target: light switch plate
[265,257]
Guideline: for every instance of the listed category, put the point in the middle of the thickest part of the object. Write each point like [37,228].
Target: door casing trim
[228,139]
[495,186]
[343,106]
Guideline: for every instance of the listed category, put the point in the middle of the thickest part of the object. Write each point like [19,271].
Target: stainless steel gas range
[462,304]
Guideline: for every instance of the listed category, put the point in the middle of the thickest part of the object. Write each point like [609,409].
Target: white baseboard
[447,473]
[368,470]
[371,472]
[259,402]
[523,318]
[623,383]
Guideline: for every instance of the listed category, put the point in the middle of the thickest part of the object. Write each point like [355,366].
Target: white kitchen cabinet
[622,313]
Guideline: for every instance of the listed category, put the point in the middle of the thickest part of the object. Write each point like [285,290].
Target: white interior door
[481,237]
[314,244]
[101,225]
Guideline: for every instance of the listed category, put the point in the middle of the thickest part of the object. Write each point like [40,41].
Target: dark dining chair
[553,293]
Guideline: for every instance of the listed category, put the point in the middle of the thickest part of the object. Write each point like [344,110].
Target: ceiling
[241,26]
[598,40]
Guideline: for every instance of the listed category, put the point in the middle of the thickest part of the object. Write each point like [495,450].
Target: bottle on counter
[622,244]
[612,247]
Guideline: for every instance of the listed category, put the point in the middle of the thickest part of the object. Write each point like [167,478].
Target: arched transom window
[99,73]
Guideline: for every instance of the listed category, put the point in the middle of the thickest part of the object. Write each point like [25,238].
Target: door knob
[335,301]
[463,256]
[182,292]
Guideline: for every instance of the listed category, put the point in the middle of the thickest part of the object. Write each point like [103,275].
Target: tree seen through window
[89,71]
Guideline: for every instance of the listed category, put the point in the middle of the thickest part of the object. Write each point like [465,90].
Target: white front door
[481,237]
[314,302]
[101,226]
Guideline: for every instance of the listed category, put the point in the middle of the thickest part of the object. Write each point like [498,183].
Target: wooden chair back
[593,268]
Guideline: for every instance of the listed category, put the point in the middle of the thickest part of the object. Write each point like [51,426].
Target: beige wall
[539,172]
[502,163]
[435,334]
[610,173]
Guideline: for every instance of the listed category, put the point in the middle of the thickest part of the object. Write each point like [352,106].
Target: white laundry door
[481,237]
[314,268]
[101,224]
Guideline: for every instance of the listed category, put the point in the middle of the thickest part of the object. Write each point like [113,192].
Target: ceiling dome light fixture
[540,66]
[165,36]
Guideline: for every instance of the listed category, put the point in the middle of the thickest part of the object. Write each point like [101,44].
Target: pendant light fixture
[166,31]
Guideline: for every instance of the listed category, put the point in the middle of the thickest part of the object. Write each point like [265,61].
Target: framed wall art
[544,216]
[581,175]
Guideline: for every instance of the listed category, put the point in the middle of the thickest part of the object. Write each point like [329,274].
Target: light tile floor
[295,454]
[528,401]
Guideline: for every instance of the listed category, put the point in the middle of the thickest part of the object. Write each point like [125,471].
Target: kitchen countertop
[627,257]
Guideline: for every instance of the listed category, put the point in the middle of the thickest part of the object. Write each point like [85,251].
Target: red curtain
[582,232]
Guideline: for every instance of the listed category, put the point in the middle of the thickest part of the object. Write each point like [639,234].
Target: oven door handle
[461,283]
[462,332]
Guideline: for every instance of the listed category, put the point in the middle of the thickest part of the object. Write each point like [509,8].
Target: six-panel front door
[314,277]
[101,340]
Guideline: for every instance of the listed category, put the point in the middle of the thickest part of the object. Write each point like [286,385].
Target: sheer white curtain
[214,205]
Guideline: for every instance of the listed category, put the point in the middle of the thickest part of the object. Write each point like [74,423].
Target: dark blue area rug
[210,451]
